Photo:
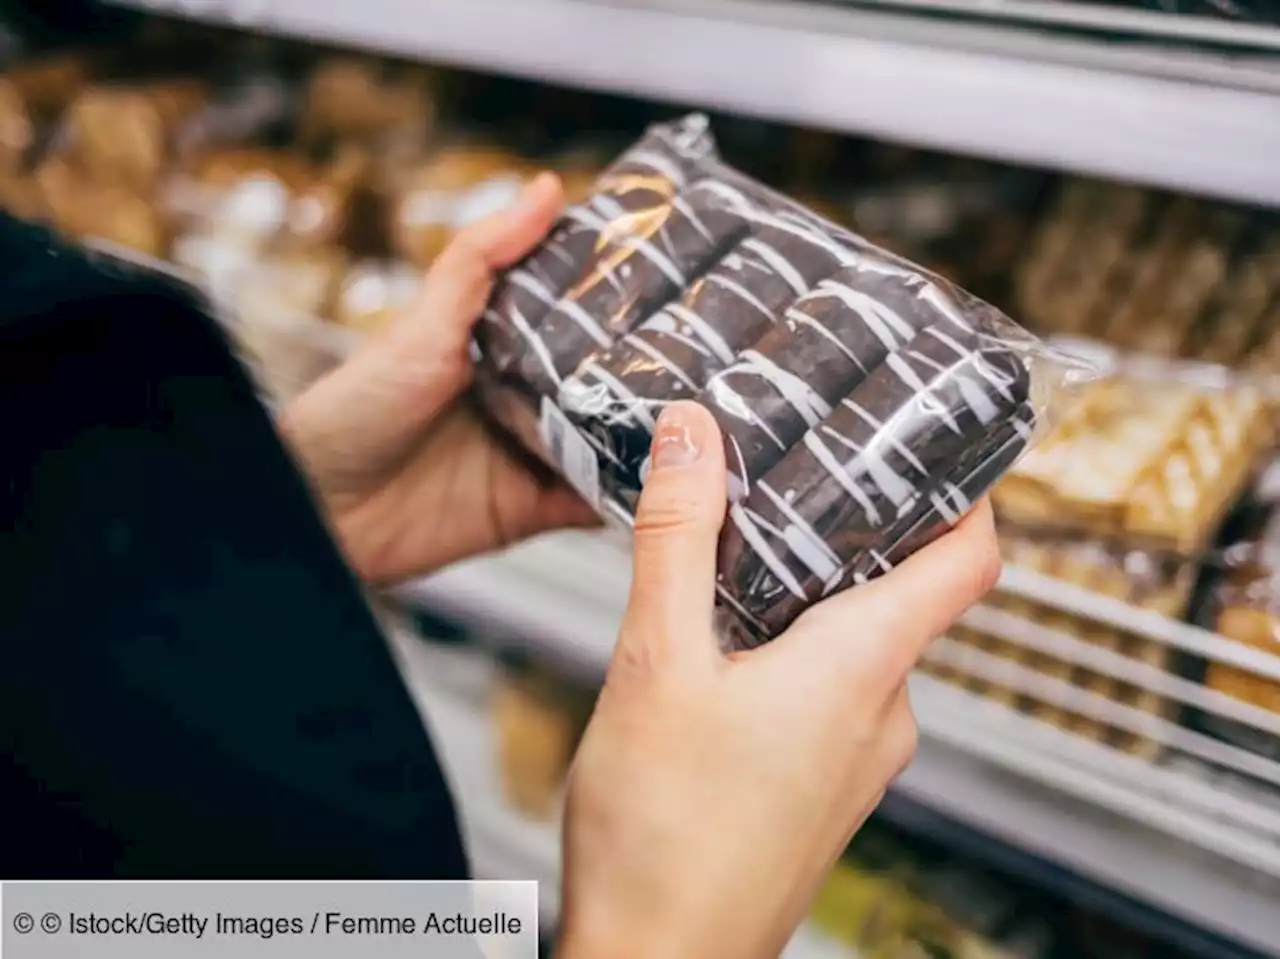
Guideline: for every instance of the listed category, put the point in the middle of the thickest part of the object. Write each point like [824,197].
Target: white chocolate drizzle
[808,546]
[704,331]
[924,398]
[889,328]
[747,521]
[781,265]
[667,325]
[795,316]
[792,388]
[635,406]
[870,461]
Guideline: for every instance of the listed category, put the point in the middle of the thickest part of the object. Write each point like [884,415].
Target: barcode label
[574,455]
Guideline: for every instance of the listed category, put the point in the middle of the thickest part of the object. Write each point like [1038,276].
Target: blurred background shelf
[1166,115]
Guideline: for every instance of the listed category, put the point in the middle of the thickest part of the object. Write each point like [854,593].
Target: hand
[712,794]
[411,478]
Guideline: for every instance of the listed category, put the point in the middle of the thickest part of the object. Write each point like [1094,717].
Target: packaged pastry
[539,720]
[354,99]
[1246,609]
[1154,455]
[866,404]
[453,188]
[127,134]
[1161,583]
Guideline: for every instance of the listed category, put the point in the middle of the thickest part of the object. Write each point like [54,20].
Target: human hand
[712,794]
[410,476]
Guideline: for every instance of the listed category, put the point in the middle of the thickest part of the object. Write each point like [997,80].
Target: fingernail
[673,442]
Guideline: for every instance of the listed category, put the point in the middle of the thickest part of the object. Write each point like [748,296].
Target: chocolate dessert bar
[865,403]
[641,183]
[834,498]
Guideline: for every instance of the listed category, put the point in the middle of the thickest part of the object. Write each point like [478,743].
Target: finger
[459,282]
[677,527]
[890,621]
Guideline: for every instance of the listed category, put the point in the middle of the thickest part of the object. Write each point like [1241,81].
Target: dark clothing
[191,684]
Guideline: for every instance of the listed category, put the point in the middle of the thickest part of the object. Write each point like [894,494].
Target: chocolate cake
[865,403]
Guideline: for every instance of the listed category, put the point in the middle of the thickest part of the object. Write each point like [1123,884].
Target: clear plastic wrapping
[1153,456]
[865,403]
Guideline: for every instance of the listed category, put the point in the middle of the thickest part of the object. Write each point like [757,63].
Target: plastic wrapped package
[1246,608]
[865,403]
[255,198]
[362,100]
[447,191]
[1158,583]
[135,135]
[1153,456]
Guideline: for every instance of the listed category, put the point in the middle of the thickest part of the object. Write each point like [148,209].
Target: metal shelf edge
[1211,138]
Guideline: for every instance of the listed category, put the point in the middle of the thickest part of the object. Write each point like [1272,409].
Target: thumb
[677,527]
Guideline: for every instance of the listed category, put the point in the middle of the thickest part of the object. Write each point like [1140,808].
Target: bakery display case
[1105,726]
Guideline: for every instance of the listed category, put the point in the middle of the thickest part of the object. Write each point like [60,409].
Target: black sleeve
[191,684]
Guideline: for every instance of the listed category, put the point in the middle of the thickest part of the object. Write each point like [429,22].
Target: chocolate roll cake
[827,344]
[672,355]
[637,188]
[849,482]
[865,403]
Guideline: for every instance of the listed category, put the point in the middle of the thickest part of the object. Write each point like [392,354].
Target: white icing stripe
[808,546]
[842,255]
[637,243]
[536,344]
[737,200]
[963,503]
[944,509]
[740,291]
[744,521]
[883,563]
[978,400]
[894,487]
[656,161]
[997,379]
[704,331]
[889,328]
[892,435]
[729,400]
[665,324]
[790,275]
[574,311]
[1023,428]
[927,401]
[635,406]
[795,316]
[940,302]
[836,469]
[681,204]
[798,394]
[663,360]
[530,284]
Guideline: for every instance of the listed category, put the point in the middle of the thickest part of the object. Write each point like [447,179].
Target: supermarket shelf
[1157,835]
[448,686]
[1176,117]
